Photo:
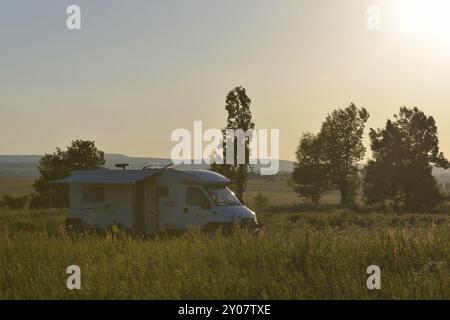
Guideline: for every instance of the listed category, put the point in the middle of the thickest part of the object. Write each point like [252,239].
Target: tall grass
[302,256]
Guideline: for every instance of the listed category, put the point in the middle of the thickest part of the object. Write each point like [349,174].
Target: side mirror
[206,205]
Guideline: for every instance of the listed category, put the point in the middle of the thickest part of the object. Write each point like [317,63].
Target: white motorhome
[153,200]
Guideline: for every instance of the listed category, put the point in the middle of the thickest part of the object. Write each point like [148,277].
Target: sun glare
[426,17]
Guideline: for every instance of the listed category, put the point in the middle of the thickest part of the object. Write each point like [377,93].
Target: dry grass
[15,186]
[279,193]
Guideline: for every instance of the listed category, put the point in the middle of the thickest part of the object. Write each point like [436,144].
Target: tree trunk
[240,183]
[343,188]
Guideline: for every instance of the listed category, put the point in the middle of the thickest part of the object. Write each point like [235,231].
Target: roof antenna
[123,166]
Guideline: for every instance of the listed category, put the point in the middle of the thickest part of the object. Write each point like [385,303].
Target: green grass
[297,256]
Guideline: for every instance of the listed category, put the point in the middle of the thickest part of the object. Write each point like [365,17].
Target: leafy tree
[311,172]
[80,155]
[237,105]
[342,147]
[404,153]
[330,158]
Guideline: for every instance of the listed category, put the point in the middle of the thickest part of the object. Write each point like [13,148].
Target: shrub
[261,202]
[15,203]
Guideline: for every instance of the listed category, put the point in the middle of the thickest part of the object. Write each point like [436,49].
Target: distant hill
[26,166]
[20,158]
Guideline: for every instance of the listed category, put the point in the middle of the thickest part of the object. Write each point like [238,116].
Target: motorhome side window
[195,197]
[93,194]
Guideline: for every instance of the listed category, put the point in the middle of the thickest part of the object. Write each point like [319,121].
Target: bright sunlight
[429,18]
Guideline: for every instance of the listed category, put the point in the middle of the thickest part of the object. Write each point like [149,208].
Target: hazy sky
[137,70]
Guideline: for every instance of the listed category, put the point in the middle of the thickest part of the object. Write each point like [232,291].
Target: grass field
[297,256]
[15,186]
[279,193]
[300,254]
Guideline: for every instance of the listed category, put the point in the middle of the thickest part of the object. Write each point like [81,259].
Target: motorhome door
[197,206]
[150,211]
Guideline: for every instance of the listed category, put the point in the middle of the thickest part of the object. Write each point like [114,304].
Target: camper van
[153,201]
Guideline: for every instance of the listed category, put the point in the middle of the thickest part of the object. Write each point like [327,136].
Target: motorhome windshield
[223,196]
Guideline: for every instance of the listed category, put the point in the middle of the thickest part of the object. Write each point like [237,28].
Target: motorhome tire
[73,225]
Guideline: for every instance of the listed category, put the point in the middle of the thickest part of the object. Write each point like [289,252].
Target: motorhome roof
[132,176]
[107,176]
[206,177]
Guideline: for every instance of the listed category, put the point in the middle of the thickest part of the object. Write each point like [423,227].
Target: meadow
[299,254]
[16,186]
